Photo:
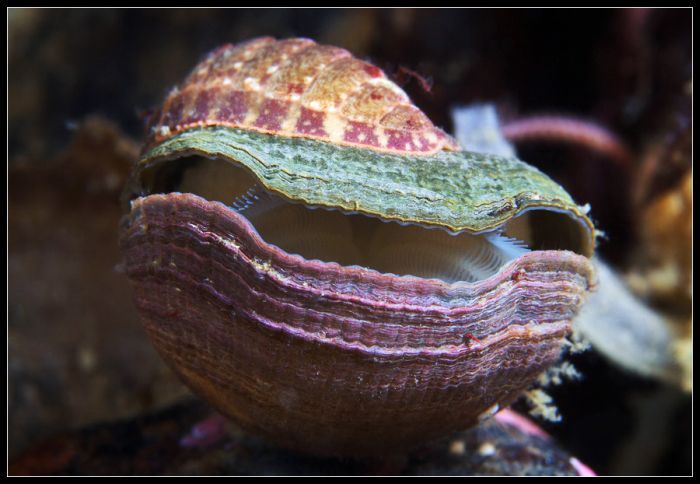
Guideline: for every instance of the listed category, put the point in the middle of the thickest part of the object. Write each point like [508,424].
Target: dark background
[81,80]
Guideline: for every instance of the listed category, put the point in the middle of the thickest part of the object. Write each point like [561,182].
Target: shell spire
[298,88]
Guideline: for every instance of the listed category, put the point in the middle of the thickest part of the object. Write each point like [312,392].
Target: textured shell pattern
[298,88]
[317,356]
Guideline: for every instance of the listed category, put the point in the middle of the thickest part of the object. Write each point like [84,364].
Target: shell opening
[355,239]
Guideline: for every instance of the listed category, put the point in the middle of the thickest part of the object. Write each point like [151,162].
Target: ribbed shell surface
[337,360]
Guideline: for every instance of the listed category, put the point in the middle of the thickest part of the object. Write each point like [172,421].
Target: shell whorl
[297,88]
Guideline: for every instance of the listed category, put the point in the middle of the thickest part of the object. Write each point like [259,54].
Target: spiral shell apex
[328,269]
[296,87]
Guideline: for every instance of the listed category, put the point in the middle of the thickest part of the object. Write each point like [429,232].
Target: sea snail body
[331,271]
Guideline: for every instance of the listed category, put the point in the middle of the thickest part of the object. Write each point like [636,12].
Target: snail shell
[336,294]
[296,87]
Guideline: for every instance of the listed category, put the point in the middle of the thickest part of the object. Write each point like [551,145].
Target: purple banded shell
[335,297]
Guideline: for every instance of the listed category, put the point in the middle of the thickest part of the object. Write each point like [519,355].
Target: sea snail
[331,271]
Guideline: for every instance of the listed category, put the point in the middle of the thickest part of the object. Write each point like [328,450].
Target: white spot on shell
[251,83]
[290,121]
[226,81]
[382,138]
[334,126]
[315,105]
[430,136]
[294,96]
[238,65]
[272,69]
